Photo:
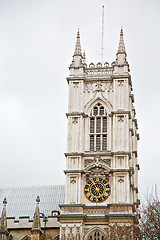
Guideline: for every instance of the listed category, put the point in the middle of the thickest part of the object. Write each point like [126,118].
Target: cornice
[120,111]
[74,154]
[125,75]
[76,114]
[75,78]
[73,171]
[71,205]
[71,216]
[93,154]
[120,215]
[119,170]
[98,78]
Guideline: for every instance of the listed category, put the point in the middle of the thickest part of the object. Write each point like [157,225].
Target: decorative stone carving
[121,209]
[86,230]
[120,118]
[97,167]
[87,162]
[98,86]
[75,120]
[75,84]
[106,162]
[72,210]
[92,71]
[73,180]
[97,161]
[121,179]
[120,83]
[96,211]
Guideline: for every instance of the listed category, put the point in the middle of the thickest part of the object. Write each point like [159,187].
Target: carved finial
[38,199]
[3,220]
[121,47]
[4,201]
[77,51]
[36,221]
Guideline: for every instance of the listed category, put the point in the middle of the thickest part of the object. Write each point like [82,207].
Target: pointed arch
[26,237]
[93,165]
[94,101]
[96,233]
[56,237]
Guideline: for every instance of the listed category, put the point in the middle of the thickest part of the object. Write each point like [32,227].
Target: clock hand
[97,189]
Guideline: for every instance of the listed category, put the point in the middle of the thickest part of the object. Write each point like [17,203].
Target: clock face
[97,189]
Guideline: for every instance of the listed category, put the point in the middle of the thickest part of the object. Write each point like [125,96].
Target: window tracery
[98,128]
[96,235]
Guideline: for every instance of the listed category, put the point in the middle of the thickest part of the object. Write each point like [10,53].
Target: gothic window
[98,128]
[95,111]
[96,235]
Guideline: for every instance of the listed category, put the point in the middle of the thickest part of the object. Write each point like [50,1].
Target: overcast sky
[37,40]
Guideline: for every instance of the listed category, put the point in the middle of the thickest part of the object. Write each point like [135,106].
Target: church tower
[101,199]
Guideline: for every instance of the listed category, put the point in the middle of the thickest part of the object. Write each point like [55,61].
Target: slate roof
[21,201]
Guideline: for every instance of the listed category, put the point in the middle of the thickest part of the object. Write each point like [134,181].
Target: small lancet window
[101,110]
[95,111]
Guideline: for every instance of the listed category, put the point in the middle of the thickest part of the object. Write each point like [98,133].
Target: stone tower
[101,159]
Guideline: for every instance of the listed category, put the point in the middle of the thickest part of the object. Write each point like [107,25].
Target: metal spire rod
[102,49]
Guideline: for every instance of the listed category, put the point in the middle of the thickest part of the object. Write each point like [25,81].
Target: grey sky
[37,40]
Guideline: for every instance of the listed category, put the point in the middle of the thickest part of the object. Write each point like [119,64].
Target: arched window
[98,128]
[26,238]
[96,235]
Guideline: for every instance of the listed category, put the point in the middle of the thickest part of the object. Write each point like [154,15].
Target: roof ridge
[32,186]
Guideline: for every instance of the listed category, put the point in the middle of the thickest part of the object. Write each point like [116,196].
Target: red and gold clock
[97,189]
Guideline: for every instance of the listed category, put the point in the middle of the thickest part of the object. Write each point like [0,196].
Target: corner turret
[121,65]
[77,66]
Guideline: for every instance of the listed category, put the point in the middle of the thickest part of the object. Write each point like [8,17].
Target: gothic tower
[101,159]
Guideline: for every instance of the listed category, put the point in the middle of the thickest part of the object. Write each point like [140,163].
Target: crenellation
[26,222]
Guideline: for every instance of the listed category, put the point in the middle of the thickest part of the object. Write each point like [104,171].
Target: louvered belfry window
[98,128]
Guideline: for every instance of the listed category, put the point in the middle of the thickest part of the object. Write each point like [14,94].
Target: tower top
[121,47]
[77,51]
